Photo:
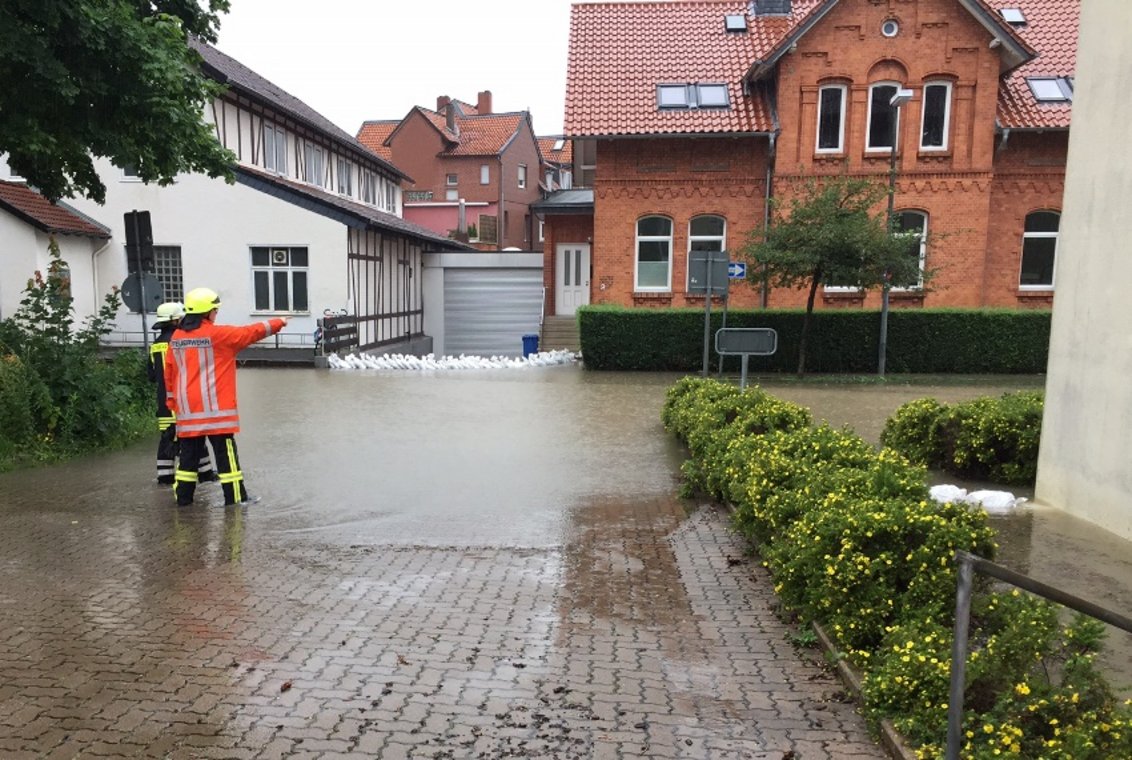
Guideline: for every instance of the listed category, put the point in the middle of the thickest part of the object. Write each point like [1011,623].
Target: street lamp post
[901,97]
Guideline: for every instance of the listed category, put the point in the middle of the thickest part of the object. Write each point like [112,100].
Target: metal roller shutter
[488,311]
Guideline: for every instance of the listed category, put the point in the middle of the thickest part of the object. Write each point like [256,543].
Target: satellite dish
[132,292]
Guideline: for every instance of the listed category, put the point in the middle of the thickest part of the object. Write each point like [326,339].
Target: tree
[107,78]
[831,236]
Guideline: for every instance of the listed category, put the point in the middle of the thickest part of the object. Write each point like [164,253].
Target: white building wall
[215,225]
[25,252]
[1086,451]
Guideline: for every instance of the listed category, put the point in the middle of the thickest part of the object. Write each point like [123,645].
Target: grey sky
[353,60]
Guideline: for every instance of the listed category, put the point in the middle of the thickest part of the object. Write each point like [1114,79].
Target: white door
[571,277]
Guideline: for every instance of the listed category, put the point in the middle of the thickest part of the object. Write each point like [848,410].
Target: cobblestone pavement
[197,634]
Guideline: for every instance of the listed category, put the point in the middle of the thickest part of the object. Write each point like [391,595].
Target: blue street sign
[737,270]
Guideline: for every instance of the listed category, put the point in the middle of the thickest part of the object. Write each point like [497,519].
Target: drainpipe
[501,236]
[764,291]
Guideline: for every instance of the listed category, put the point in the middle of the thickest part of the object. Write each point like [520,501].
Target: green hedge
[975,341]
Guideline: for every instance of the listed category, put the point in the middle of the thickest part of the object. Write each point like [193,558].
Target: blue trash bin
[530,345]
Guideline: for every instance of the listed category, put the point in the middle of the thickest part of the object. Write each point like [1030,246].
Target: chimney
[483,102]
[441,102]
[450,118]
[770,7]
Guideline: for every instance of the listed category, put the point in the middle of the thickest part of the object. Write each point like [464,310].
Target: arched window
[831,119]
[914,225]
[883,117]
[936,118]
[654,254]
[1039,250]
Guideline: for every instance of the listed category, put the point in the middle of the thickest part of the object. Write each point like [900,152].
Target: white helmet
[170,310]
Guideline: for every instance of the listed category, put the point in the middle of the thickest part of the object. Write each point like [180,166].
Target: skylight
[735,22]
[1050,89]
[694,95]
[1013,16]
[559,144]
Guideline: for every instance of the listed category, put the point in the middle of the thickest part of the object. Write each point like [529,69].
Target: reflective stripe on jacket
[200,375]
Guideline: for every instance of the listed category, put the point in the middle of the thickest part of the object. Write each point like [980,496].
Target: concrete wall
[1084,467]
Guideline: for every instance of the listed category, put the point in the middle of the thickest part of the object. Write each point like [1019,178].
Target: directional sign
[737,270]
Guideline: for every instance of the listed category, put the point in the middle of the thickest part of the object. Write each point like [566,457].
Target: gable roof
[474,135]
[33,208]
[615,63]
[373,135]
[619,53]
[228,71]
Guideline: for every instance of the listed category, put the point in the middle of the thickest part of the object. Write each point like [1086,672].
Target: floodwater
[509,460]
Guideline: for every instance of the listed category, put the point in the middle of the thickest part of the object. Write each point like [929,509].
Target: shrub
[986,439]
[851,540]
[57,396]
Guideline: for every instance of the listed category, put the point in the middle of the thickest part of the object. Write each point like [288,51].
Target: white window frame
[314,153]
[485,174]
[275,148]
[541,230]
[390,197]
[924,115]
[884,149]
[522,176]
[346,173]
[667,287]
[271,268]
[923,234]
[452,180]
[451,194]
[368,187]
[1040,235]
[843,90]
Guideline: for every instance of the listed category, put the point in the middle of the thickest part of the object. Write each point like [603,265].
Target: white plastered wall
[1085,465]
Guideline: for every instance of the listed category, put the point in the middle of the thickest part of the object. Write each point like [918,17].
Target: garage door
[488,311]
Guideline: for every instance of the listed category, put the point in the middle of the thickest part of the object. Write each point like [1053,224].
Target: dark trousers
[167,447]
[193,451]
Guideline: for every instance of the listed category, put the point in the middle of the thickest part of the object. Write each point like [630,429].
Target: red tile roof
[615,62]
[373,135]
[620,52]
[1051,29]
[565,155]
[36,210]
[486,135]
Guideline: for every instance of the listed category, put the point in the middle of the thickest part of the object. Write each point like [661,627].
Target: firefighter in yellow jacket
[168,317]
[200,382]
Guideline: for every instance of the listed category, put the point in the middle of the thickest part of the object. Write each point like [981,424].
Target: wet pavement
[461,565]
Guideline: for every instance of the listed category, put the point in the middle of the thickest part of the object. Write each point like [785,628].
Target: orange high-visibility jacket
[200,375]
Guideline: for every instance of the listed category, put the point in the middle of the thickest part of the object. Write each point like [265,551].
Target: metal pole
[959,656]
[743,376]
[707,314]
[723,327]
[141,280]
[883,351]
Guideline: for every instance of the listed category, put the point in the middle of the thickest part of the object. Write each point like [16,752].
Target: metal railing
[968,565]
[131,338]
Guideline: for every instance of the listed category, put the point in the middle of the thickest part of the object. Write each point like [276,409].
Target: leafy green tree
[107,78]
[830,234]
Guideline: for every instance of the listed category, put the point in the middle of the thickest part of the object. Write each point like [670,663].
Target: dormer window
[692,96]
[1050,89]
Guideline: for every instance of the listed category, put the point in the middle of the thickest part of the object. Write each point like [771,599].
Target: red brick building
[689,118]
[465,159]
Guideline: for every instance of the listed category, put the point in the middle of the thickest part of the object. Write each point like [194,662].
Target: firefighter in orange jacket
[200,379]
[168,317]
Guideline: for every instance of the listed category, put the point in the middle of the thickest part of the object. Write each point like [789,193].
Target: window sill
[926,154]
[1035,294]
[698,298]
[652,297]
[838,155]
